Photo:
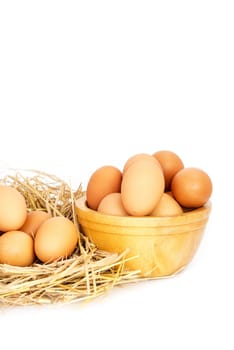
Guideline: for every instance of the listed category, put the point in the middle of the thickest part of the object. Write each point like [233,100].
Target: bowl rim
[188,217]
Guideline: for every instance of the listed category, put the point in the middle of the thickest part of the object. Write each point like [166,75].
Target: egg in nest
[16,248]
[33,221]
[56,239]
[13,209]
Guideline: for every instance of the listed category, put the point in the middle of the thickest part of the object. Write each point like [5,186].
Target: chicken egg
[56,238]
[137,157]
[103,181]
[167,206]
[33,220]
[142,187]
[16,248]
[170,163]
[13,209]
[112,204]
[191,187]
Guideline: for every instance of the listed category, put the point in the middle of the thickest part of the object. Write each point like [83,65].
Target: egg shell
[142,187]
[137,157]
[171,163]
[112,204]
[16,248]
[33,221]
[106,179]
[191,187]
[167,206]
[56,238]
[13,209]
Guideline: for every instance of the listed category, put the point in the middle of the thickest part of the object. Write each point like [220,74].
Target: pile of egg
[155,184]
[29,235]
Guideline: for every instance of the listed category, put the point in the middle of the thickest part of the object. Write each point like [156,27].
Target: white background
[89,83]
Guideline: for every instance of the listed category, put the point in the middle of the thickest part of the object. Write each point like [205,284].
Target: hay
[88,273]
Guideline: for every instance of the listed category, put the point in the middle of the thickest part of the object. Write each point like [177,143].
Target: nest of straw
[88,273]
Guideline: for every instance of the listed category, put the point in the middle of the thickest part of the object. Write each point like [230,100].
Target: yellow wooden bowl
[161,246]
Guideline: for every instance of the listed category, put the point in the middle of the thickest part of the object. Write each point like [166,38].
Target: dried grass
[88,273]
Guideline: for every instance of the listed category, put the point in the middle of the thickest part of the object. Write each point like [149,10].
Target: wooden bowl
[161,246]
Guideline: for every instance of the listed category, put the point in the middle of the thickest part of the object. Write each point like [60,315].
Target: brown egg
[56,238]
[167,206]
[112,204]
[191,187]
[137,157]
[33,220]
[169,193]
[103,181]
[170,163]
[13,209]
[16,248]
[142,187]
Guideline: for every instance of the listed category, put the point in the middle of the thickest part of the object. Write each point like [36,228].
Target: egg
[169,193]
[112,204]
[33,221]
[16,248]
[167,206]
[171,163]
[191,187]
[106,179]
[137,157]
[13,209]
[142,187]
[56,238]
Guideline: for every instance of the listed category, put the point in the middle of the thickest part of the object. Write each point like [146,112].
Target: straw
[88,273]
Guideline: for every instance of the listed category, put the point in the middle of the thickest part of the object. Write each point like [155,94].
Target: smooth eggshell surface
[171,163]
[13,209]
[56,238]
[33,221]
[16,248]
[191,187]
[112,204]
[142,187]
[167,206]
[137,157]
[103,181]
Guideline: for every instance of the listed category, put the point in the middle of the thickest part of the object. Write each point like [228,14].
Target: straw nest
[86,274]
